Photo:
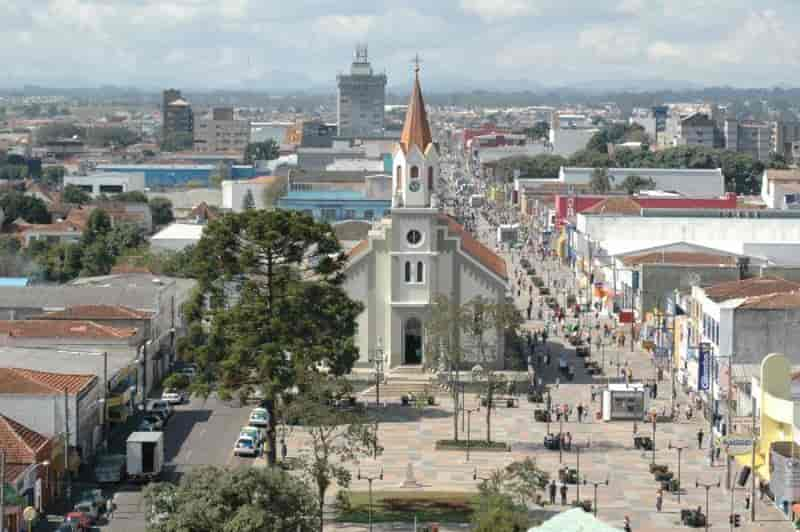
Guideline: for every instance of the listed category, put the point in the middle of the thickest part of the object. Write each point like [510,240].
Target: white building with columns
[415,254]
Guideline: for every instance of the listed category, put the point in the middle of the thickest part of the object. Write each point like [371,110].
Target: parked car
[154,420]
[90,508]
[146,426]
[173,397]
[252,432]
[160,407]
[78,521]
[259,417]
[245,446]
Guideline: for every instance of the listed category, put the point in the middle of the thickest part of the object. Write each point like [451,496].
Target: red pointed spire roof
[416,129]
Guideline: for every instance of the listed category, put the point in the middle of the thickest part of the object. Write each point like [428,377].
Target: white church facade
[415,254]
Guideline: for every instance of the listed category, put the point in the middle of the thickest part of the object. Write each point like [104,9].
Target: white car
[245,446]
[252,432]
[173,397]
[259,417]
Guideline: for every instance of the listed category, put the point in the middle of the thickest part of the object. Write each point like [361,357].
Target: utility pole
[66,447]
[711,410]
[2,490]
[753,461]
[105,398]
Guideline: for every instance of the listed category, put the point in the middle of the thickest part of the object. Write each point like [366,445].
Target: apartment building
[221,132]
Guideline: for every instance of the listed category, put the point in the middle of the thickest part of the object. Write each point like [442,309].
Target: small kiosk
[624,402]
[507,233]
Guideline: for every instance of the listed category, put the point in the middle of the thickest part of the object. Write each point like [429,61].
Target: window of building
[110,189]
[349,214]
[369,214]
[328,215]
[414,172]
[408,272]
[420,272]
[430,178]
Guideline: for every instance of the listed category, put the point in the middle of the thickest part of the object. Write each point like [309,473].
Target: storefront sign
[736,444]
[703,366]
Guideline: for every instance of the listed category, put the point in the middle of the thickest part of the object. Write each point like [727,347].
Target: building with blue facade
[336,205]
[172,175]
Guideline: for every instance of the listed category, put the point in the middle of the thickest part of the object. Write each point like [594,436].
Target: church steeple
[416,130]
[416,161]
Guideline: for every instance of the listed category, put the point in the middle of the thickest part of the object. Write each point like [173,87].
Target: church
[415,254]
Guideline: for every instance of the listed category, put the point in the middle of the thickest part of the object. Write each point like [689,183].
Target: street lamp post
[376,357]
[707,487]
[680,449]
[653,459]
[370,479]
[595,485]
[469,412]
[578,467]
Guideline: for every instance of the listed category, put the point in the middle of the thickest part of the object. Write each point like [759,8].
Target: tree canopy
[215,499]
[161,211]
[269,288]
[16,204]
[74,194]
[261,151]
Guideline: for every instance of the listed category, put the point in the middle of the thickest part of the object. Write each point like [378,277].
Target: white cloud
[610,44]
[492,10]
[662,50]
[343,27]
[632,7]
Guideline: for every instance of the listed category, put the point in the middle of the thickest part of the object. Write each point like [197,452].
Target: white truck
[145,455]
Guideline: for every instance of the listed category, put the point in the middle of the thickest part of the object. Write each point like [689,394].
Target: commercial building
[750,137]
[221,132]
[686,182]
[696,129]
[171,175]
[570,133]
[780,189]
[361,99]
[177,127]
[336,205]
[784,136]
[108,183]
[311,134]
[177,236]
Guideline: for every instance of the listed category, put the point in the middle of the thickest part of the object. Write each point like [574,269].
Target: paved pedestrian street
[607,451]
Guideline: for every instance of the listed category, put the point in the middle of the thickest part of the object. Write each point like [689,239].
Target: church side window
[430,178]
[399,177]
[420,272]
[414,172]
[408,271]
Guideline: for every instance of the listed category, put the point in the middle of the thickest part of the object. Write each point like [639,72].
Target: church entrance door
[412,345]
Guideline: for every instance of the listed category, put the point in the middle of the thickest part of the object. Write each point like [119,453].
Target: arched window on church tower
[430,179]
[408,271]
[399,177]
[420,272]
[414,172]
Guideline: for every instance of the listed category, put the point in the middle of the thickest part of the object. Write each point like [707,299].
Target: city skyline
[466,44]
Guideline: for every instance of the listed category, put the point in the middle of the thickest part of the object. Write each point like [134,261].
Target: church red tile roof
[28,381]
[475,249]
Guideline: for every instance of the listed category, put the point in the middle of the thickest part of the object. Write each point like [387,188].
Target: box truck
[145,455]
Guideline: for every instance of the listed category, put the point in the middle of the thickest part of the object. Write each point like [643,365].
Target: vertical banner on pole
[703,366]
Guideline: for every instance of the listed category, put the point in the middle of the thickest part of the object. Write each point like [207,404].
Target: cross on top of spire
[416,60]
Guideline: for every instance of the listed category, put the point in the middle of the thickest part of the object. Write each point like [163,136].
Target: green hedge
[477,445]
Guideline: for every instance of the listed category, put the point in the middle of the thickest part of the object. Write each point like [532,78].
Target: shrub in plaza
[476,445]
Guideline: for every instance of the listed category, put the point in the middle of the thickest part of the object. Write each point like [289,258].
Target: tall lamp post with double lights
[469,412]
[708,487]
[370,479]
[595,485]
[376,358]
[680,449]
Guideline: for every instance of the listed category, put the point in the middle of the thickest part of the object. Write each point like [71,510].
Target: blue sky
[464,43]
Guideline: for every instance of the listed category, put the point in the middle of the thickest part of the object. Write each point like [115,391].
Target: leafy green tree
[15,205]
[444,345]
[261,151]
[336,438]
[117,136]
[53,175]
[248,201]
[97,227]
[58,130]
[13,172]
[124,236]
[777,161]
[212,499]
[498,513]
[291,314]
[161,211]
[538,131]
[485,321]
[96,258]
[132,196]
[74,194]
[536,167]
[61,262]
[634,183]
[600,181]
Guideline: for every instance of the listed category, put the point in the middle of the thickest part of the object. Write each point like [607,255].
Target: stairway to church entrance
[402,380]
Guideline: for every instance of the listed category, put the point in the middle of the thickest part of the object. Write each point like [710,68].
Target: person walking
[530,309]
[700,439]
[747,500]
[659,500]
[564,494]
[626,524]
[552,489]
[580,412]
